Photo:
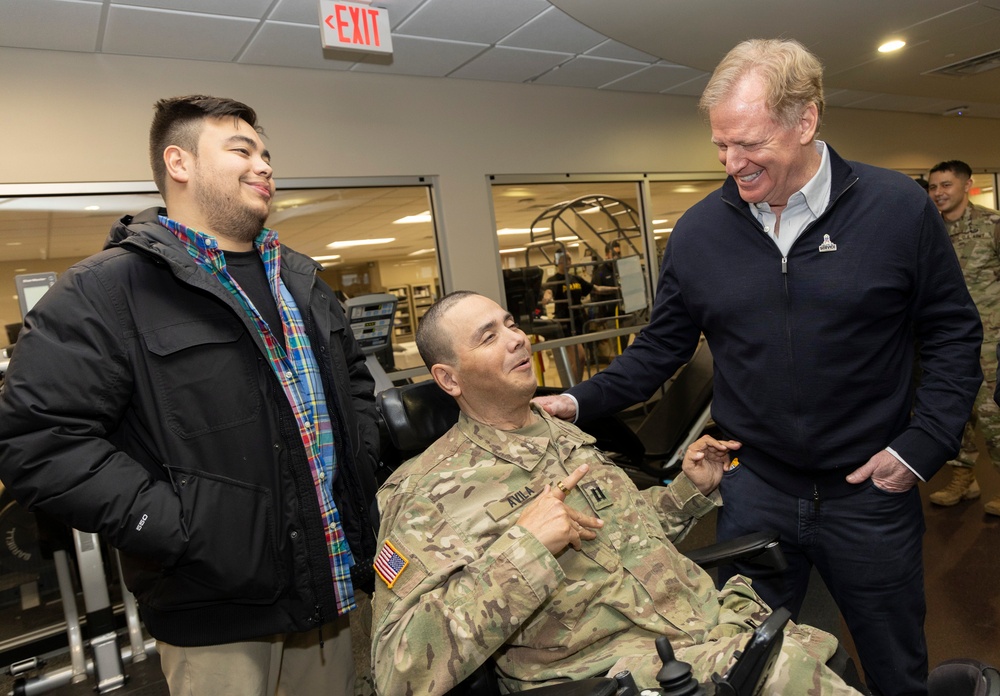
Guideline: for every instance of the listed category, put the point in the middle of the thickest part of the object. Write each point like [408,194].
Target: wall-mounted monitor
[31,287]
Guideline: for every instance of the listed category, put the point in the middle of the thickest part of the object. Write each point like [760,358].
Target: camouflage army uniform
[976,236]
[474,584]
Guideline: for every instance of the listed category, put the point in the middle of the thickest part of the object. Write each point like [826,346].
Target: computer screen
[523,291]
[31,287]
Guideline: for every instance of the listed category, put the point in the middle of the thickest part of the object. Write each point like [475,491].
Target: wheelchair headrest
[415,415]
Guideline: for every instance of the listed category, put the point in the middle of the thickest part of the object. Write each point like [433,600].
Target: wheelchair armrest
[760,548]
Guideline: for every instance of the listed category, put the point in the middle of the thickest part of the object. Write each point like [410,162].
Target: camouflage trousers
[984,421]
[800,668]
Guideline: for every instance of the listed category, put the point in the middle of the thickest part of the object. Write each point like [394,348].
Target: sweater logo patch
[390,564]
[827,245]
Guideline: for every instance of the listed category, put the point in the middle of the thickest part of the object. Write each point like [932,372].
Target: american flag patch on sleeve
[389,564]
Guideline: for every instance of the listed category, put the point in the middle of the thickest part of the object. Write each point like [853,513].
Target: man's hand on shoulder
[557,406]
[706,459]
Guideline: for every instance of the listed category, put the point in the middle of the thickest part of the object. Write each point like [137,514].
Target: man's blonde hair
[792,77]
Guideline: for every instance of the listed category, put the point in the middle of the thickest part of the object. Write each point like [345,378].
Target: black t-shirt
[247,268]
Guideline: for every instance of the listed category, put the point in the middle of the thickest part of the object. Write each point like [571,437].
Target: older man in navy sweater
[816,282]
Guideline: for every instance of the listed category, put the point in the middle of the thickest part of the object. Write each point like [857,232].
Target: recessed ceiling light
[359,242]
[890,46]
[420,217]
[93,207]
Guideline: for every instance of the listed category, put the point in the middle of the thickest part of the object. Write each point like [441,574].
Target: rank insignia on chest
[390,564]
[596,496]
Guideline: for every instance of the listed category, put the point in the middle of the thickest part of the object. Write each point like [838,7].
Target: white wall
[80,117]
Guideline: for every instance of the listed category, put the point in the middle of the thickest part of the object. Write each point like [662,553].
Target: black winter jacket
[140,404]
[814,352]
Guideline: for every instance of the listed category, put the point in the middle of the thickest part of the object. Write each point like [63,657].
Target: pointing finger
[563,487]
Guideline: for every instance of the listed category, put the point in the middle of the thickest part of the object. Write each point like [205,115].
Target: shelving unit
[414,300]
[423,297]
[403,326]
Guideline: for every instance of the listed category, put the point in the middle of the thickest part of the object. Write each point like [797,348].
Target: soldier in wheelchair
[513,538]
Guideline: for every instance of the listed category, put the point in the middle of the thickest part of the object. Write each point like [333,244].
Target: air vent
[970,66]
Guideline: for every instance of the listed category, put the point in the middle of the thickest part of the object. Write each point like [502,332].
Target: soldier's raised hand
[553,522]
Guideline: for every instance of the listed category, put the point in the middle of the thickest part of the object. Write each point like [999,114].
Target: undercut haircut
[792,77]
[433,343]
[958,167]
[178,121]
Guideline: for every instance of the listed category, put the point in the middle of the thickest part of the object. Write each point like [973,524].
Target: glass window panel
[336,226]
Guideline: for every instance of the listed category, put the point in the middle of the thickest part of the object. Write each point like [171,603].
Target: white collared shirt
[804,206]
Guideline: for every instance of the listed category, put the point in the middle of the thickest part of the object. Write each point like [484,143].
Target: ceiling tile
[585,71]
[233,8]
[691,88]
[59,25]
[510,64]
[147,32]
[418,56]
[399,10]
[554,30]
[295,46]
[655,78]
[488,23]
[297,12]
[619,51]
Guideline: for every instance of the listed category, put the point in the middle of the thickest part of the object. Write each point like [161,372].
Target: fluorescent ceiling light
[418,252]
[420,217]
[329,257]
[890,46]
[359,242]
[570,238]
[663,230]
[92,207]
[513,251]
[660,222]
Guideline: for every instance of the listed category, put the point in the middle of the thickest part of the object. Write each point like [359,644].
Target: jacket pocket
[232,550]
[205,375]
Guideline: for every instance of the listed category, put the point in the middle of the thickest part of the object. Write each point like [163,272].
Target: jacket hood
[127,226]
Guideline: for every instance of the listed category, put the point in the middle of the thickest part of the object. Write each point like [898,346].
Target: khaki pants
[284,665]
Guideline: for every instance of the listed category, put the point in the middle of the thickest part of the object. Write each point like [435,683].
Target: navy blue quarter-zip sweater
[814,352]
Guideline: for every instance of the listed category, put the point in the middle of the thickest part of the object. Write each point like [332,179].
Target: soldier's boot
[993,507]
[963,486]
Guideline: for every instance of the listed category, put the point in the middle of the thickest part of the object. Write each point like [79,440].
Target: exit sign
[351,27]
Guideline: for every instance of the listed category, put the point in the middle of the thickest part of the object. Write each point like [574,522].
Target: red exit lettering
[355,25]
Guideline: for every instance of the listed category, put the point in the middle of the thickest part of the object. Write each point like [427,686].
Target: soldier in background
[512,537]
[975,232]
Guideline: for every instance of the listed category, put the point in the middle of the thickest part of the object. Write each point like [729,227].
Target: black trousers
[867,547]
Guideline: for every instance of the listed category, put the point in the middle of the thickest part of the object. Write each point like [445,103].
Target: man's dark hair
[612,245]
[957,166]
[433,343]
[177,121]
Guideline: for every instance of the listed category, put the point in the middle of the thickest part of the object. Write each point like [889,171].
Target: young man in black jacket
[194,394]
